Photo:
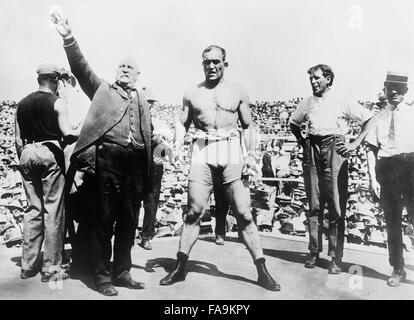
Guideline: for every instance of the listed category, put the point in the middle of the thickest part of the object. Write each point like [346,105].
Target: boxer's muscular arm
[186,117]
[245,118]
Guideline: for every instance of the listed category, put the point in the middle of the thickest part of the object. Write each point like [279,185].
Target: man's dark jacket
[109,104]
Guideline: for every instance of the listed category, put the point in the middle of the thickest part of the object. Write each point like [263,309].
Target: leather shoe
[333,268]
[146,244]
[219,240]
[107,289]
[46,276]
[264,279]
[129,283]
[311,261]
[398,275]
[176,275]
[26,274]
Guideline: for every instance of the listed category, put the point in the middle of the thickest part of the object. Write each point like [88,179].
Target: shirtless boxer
[215,106]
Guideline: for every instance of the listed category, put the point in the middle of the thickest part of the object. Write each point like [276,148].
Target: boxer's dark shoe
[265,280]
[178,273]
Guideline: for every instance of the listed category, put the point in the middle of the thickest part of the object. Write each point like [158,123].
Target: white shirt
[328,114]
[161,128]
[379,136]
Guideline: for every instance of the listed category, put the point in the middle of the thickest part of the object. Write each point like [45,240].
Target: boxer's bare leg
[238,194]
[198,195]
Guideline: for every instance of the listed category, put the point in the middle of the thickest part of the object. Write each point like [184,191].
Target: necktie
[392,131]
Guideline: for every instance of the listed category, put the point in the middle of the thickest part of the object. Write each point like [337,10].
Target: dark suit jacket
[108,106]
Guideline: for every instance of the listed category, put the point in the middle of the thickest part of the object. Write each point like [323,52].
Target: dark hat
[287,228]
[396,77]
[48,68]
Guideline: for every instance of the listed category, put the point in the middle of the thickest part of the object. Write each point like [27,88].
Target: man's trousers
[325,174]
[151,202]
[42,169]
[119,177]
[396,177]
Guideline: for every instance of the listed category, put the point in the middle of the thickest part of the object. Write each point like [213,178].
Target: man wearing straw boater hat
[391,166]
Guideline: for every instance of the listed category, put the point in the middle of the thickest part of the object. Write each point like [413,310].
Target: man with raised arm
[216,106]
[115,146]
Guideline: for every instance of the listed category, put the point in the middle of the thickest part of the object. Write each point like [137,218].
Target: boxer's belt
[214,139]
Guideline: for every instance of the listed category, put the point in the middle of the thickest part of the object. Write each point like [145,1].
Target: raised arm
[88,80]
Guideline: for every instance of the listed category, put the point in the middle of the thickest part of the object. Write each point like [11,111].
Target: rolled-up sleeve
[357,112]
[372,136]
[298,117]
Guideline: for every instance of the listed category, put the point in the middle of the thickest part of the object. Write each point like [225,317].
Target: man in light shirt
[391,166]
[325,168]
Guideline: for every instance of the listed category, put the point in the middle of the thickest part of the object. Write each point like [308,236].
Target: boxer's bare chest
[215,107]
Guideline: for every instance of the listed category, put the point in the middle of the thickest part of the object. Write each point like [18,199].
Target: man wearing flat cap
[42,127]
[114,149]
[391,166]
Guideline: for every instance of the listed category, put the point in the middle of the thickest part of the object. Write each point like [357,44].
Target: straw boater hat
[396,77]
[12,237]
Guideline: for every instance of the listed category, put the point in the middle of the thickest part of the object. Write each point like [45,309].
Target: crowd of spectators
[279,205]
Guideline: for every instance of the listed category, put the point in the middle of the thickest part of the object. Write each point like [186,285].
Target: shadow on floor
[300,257]
[193,266]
